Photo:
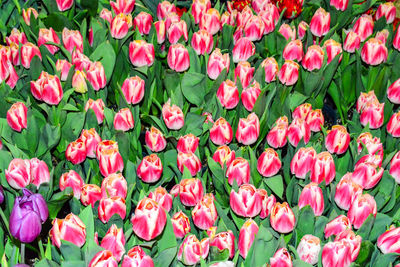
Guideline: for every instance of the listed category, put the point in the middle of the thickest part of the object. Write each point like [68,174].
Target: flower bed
[245,133]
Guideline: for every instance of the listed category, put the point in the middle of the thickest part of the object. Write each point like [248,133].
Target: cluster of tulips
[147,134]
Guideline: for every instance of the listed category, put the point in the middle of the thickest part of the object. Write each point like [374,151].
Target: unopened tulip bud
[315,119]
[91,139]
[143,22]
[346,192]
[221,133]
[353,240]
[360,209]
[76,151]
[302,111]
[254,28]
[323,168]
[320,22]
[191,250]
[64,5]
[120,25]
[155,140]
[338,139]
[202,42]
[181,224]
[282,218]
[96,75]
[173,116]
[114,185]
[367,175]
[314,58]
[190,161]
[190,191]
[276,137]
[70,229]
[271,69]
[333,49]
[298,130]
[110,160]
[90,193]
[247,235]
[246,202]
[224,240]
[19,173]
[79,82]
[204,214]
[336,254]
[17,116]
[98,108]
[178,58]
[26,14]
[141,53]
[72,40]
[199,7]
[281,258]
[312,195]
[352,42]
[114,241]
[302,162]
[161,196]
[210,21]
[289,32]
[187,143]
[267,203]
[216,63]
[73,180]
[47,88]
[248,129]
[161,31]
[110,206]
[164,8]
[336,226]
[374,52]
[269,164]
[123,120]
[63,66]
[364,27]
[309,249]
[28,51]
[289,73]
[387,242]
[103,258]
[250,94]
[395,167]
[238,170]
[293,50]
[393,92]
[224,155]
[244,72]
[243,50]
[387,10]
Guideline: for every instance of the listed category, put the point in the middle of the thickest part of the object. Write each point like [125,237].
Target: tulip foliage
[157,133]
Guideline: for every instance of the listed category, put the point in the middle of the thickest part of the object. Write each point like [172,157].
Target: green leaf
[262,249]
[70,251]
[90,5]
[57,201]
[305,221]
[193,87]
[275,184]
[365,252]
[58,21]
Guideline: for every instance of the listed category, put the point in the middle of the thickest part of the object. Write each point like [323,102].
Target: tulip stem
[22,252]
[40,244]
[4,218]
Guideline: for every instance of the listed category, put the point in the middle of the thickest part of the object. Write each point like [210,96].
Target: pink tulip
[246,202]
[178,58]
[173,116]
[312,195]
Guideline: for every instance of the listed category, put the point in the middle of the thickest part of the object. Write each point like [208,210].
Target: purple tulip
[27,216]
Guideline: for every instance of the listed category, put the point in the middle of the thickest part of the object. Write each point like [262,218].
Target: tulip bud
[221,133]
[336,254]
[191,250]
[80,61]
[254,28]
[277,135]
[360,209]
[243,16]
[312,195]
[248,129]
[137,257]
[76,152]
[289,73]
[110,206]
[150,169]
[181,224]
[28,51]
[333,49]
[320,22]
[289,32]
[243,50]
[346,192]
[298,130]
[12,75]
[120,25]
[216,63]
[70,229]
[155,140]
[238,170]
[247,235]
[323,168]
[17,116]
[302,111]
[224,155]
[114,185]
[393,92]
[110,160]
[90,193]
[64,5]
[173,116]
[79,82]
[143,22]
[106,14]
[224,240]
[161,31]
[91,139]
[337,140]
[395,167]
[367,175]
[382,35]
[293,50]
[339,4]
[202,42]
[246,202]
[123,120]
[353,240]
[28,214]
[396,39]
[314,58]
[267,203]
[19,173]
[309,249]
[364,27]
[315,119]
[96,76]
[170,18]
[259,5]
[98,108]
[72,179]
[228,94]
[302,162]
[205,214]
[244,72]
[336,226]
[302,29]
[164,8]
[176,31]
[190,191]
[271,69]
[187,143]
[281,258]
[47,88]
[269,164]
[352,42]
[190,161]
[141,53]
[374,52]
[48,35]
[178,58]
[103,258]
[210,21]
[388,241]
[282,218]
[114,241]
[26,14]
[388,10]
[72,40]
[250,94]
[16,37]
